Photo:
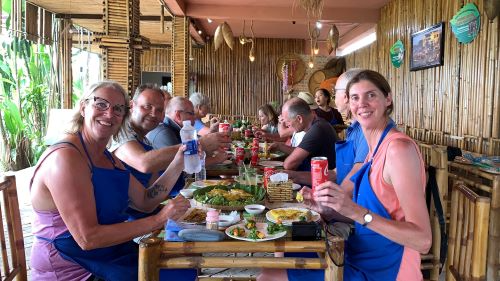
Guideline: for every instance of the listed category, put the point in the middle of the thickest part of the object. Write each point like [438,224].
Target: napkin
[279,177]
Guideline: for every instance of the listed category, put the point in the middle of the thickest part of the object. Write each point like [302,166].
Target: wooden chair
[485,185]
[468,241]
[435,156]
[13,256]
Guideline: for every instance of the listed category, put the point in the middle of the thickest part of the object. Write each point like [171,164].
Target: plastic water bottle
[202,174]
[189,138]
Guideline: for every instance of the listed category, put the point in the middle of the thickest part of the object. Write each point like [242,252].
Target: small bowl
[254,209]
[188,192]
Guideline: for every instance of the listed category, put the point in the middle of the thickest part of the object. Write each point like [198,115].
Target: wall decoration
[427,47]
[397,53]
[290,69]
[466,23]
[492,9]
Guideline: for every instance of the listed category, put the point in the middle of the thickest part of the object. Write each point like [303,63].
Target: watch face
[368,218]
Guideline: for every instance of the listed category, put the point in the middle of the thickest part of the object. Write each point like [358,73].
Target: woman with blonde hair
[80,192]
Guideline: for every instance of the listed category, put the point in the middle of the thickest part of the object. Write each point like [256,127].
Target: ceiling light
[318,25]
[311,64]
[209,20]
[316,48]
[199,31]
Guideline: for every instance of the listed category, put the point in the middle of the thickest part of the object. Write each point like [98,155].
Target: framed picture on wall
[427,47]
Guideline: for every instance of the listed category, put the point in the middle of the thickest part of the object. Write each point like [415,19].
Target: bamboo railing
[460,98]
[468,241]
[486,185]
[14,264]
[157,60]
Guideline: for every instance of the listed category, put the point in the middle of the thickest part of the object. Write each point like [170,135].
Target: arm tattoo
[153,191]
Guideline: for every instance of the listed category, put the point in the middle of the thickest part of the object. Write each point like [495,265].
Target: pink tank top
[410,263]
[46,263]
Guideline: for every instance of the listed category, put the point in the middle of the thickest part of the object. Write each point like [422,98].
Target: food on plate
[234,195]
[273,228]
[299,197]
[196,216]
[230,195]
[291,214]
[250,224]
[255,234]
[238,232]
[215,182]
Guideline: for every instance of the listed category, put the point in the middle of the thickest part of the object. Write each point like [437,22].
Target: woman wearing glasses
[201,105]
[80,192]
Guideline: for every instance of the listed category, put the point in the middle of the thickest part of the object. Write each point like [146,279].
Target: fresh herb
[273,228]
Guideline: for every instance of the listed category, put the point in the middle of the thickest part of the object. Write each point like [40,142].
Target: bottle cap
[212,215]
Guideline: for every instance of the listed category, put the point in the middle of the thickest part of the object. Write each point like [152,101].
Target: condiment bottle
[213,220]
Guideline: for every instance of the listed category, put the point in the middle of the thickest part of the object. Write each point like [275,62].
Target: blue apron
[140,176]
[112,263]
[143,178]
[344,157]
[369,255]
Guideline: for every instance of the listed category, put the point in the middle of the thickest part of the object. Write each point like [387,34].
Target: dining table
[156,253]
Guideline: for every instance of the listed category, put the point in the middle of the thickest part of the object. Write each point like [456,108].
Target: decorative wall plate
[296,68]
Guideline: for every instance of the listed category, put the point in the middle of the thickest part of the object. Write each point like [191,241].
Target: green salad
[232,195]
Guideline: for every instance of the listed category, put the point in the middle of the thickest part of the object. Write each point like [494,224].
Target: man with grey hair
[201,104]
[167,134]
[319,138]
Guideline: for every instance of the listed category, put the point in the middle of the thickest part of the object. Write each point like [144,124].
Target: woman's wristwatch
[367,218]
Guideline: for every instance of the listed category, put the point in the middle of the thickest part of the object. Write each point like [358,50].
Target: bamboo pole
[238,262]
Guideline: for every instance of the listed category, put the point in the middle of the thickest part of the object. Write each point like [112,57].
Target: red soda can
[223,127]
[268,172]
[319,171]
[240,155]
[248,133]
[255,142]
[255,156]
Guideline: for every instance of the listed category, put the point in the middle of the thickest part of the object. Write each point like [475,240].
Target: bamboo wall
[460,101]
[157,59]
[234,84]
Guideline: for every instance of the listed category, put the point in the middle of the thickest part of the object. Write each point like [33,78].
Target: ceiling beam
[175,7]
[358,15]
[99,17]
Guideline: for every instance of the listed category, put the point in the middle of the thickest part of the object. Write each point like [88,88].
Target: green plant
[25,71]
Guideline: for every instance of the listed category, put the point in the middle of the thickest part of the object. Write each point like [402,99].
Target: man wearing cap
[319,138]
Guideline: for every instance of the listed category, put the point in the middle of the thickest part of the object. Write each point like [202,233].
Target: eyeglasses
[101,104]
[335,90]
[187,112]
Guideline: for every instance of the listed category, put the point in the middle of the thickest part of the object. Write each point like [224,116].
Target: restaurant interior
[441,59]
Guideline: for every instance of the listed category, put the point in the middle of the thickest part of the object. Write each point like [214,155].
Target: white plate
[262,227]
[296,186]
[271,163]
[314,215]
